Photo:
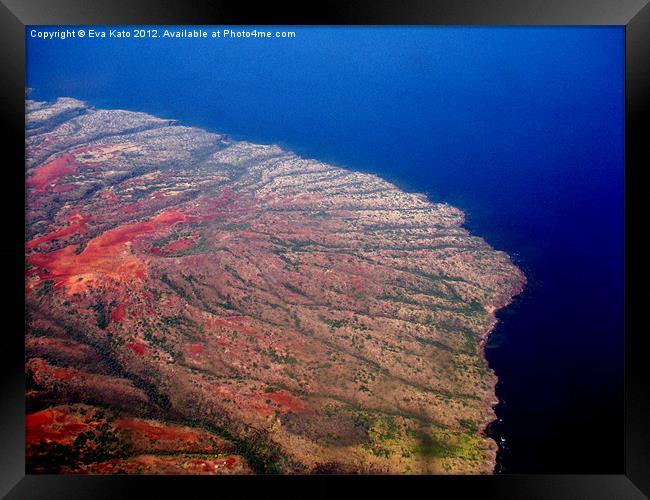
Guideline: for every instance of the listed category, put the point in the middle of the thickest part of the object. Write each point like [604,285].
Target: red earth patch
[139,349]
[106,256]
[286,401]
[179,245]
[77,224]
[118,313]
[194,348]
[44,176]
[54,425]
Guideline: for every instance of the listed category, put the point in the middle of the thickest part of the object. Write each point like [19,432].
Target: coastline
[492,415]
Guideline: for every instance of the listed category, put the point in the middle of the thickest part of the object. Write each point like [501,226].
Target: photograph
[324,249]
[356,247]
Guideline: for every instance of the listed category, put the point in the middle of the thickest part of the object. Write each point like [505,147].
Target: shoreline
[482,344]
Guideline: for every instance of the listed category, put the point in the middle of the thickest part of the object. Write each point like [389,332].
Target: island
[201,305]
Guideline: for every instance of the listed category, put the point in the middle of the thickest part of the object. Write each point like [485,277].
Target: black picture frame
[633,14]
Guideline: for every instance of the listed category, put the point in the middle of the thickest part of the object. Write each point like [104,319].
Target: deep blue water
[520,127]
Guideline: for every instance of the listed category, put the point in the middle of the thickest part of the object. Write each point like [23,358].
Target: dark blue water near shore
[522,128]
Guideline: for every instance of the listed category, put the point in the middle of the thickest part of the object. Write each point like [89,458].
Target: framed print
[365,247]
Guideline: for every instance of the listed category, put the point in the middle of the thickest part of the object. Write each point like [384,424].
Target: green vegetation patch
[334,323]
[101,315]
[294,289]
[468,425]
[440,443]
[383,437]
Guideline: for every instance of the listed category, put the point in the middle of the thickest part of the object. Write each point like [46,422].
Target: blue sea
[520,127]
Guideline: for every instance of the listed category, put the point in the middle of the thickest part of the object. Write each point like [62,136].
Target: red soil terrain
[198,305]
[60,167]
[76,225]
[106,256]
[49,174]
[128,444]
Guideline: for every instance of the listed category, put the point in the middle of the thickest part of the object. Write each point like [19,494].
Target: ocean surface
[522,128]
